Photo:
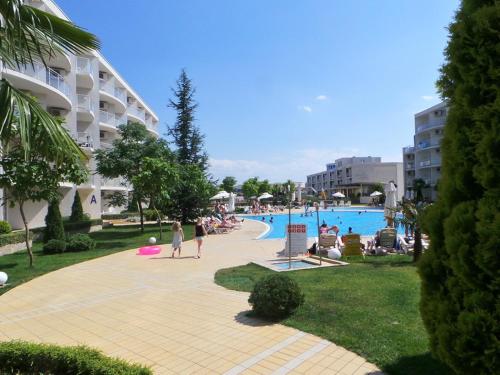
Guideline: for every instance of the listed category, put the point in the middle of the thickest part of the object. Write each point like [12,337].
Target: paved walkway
[169,314]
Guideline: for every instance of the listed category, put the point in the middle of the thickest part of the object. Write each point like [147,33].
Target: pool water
[296,264]
[365,223]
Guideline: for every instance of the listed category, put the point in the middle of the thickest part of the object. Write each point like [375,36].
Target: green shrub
[275,297]
[150,215]
[80,242]
[54,247]
[5,227]
[114,216]
[54,228]
[19,357]
[76,209]
[12,238]
[239,210]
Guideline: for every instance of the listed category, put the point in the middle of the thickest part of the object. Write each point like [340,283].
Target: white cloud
[321,97]
[305,108]
[427,97]
[278,168]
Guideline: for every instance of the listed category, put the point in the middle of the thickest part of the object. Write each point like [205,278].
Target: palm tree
[418,186]
[410,220]
[29,35]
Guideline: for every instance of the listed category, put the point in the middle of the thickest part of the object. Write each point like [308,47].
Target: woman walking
[177,238]
[199,233]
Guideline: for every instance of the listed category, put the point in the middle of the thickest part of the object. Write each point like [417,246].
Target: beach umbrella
[338,194]
[390,202]
[376,194]
[220,195]
[265,196]
[231,203]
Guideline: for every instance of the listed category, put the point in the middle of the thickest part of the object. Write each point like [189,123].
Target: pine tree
[77,209]
[460,272]
[54,228]
[186,135]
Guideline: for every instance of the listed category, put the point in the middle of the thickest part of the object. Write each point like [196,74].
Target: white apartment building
[423,159]
[355,177]
[93,99]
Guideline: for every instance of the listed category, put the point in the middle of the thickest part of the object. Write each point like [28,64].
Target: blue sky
[284,87]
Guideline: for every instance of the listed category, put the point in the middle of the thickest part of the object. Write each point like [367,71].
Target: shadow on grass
[9,265]
[248,318]
[417,365]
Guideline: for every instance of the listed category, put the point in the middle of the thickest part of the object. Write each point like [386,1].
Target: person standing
[199,233]
[177,238]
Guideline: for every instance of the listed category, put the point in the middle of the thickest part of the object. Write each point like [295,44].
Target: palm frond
[28,34]
[23,120]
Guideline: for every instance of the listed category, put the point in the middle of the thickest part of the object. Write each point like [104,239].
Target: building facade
[422,160]
[93,99]
[356,176]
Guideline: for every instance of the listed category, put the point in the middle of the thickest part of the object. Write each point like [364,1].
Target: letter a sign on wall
[93,200]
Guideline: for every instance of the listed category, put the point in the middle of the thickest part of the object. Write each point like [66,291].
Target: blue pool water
[364,223]
[296,264]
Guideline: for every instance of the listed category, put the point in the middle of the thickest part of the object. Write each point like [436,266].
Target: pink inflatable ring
[149,250]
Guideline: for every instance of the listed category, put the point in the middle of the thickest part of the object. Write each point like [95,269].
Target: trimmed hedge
[80,242]
[20,357]
[12,238]
[114,216]
[54,247]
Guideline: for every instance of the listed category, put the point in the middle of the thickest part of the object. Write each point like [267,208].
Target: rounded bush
[5,227]
[54,247]
[19,357]
[80,242]
[275,297]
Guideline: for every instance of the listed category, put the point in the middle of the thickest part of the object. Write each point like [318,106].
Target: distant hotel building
[356,176]
[93,99]
[423,159]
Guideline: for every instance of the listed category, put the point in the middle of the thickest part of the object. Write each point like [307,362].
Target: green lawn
[109,240]
[369,307]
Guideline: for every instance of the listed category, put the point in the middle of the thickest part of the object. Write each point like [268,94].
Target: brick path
[169,314]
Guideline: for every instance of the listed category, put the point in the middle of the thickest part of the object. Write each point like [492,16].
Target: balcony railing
[111,119]
[106,145]
[428,144]
[84,140]
[121,94]
[408,149]
[108,86]
[83,65]
[84,104]
[46,75]
[432,124]
[410,165]
[137,112]
[114,182]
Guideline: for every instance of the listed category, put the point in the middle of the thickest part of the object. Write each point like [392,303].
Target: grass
[109,240]
[369,307]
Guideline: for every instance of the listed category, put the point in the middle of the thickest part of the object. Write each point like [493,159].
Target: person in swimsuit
[199,233]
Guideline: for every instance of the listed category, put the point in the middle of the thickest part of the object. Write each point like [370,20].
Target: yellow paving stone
[165,312]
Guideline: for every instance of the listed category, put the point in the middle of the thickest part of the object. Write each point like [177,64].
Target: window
[102,75]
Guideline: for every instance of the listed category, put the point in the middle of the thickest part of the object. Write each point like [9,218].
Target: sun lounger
[327,240]
[387,239]
[352,245]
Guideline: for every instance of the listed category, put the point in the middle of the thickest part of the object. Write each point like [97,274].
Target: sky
[283,87]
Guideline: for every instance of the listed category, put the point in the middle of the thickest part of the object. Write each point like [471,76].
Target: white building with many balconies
[423,159]
[93,99]
[355,177]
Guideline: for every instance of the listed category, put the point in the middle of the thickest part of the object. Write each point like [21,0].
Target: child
[177,238]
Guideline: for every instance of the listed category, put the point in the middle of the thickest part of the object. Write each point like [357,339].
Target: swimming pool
[365,223]
[296,264]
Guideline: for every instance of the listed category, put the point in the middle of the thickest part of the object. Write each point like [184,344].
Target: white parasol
[231,203]
[338,194]
[220,195]
[376,194]
[390,202]
[265,196]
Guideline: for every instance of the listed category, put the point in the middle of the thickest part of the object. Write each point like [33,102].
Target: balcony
[84,73]
[109,119]
[88,185]
[113,184]
[137,114]
[39,79]
[408,150]
[424,145]
[84,108]
[113,94]
[410,165]
[436,123]
[429,163]
[85,141]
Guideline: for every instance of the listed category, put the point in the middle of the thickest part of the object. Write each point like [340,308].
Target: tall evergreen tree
[461,270]
[186,135]
[77,213]
[54,227]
